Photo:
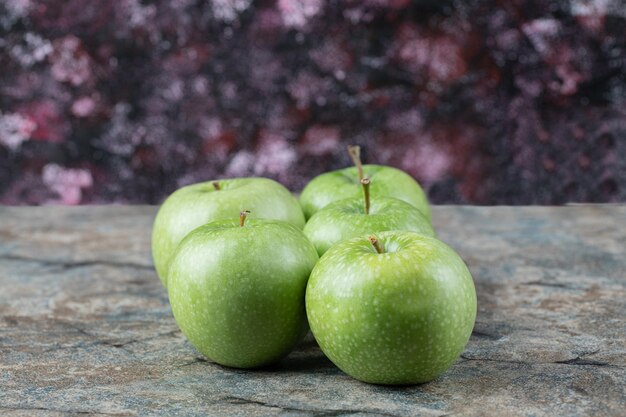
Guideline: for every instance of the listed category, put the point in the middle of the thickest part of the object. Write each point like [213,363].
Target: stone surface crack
[78,264]
[467,358]
[550,284]
[316,411]
[586,362]
[54,410]
[145,339]
[485,335]
[575,361]
[194,361]
[121,344]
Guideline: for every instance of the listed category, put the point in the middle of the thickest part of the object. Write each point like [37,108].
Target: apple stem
[242,217]
[365,182]
[355,154]
[216,185]
[376,244]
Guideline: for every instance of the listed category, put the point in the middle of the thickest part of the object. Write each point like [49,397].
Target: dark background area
[484,102]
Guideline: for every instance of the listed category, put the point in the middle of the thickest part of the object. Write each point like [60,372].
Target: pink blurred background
[484,102]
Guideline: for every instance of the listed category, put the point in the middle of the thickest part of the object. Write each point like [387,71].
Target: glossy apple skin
[401,317]
[344,183]
[237,293]
[198,204]
[345,219]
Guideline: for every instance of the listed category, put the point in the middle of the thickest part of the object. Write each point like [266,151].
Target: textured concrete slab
[85,326]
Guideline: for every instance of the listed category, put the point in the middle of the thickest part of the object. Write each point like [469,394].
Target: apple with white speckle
[198,204]
[344,183]
[237,289]
[395,308]
[360,216]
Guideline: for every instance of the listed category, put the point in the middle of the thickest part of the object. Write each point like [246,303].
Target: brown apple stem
[376,244]
[242,217]
[355,154]
[365,182]
[216,185]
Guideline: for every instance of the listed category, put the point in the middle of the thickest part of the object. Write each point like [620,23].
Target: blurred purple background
[484,102]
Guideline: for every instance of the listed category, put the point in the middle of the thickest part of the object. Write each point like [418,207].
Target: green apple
[344,183]
[395,309]
[198,204]
[237,290]
[358,216]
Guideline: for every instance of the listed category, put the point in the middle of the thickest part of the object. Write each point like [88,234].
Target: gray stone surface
[85,327]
